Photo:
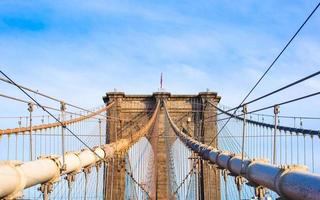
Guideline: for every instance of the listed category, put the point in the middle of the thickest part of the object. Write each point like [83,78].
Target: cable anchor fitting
[239,180]
[46,189]
[260,192]
[225,174]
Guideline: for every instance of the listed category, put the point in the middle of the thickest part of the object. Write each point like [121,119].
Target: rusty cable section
[289,181]
[15,176]
[55,124]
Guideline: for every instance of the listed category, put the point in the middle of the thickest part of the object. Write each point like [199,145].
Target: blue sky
[78,50]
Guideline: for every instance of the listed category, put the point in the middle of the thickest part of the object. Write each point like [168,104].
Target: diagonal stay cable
[269,68]
[183,180]
[285,47]
[43,95]
[47,96]
[130,174]
[44,109]
[268,107]
[72,113]
[286,102]
[48,107]
[305,131]
[271,93]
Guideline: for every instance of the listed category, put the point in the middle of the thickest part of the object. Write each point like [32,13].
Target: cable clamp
[239,180]
[260,192]
[46,189]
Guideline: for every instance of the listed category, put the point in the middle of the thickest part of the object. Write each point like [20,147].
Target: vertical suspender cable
[19,123]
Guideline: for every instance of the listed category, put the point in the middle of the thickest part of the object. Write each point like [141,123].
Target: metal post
[63,109]
[244,111]
[276,112]
[30,109]
[19,122]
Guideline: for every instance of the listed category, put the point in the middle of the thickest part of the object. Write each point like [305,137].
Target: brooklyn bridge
[158,146]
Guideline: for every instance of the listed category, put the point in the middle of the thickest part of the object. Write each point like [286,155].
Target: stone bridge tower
[189,112]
